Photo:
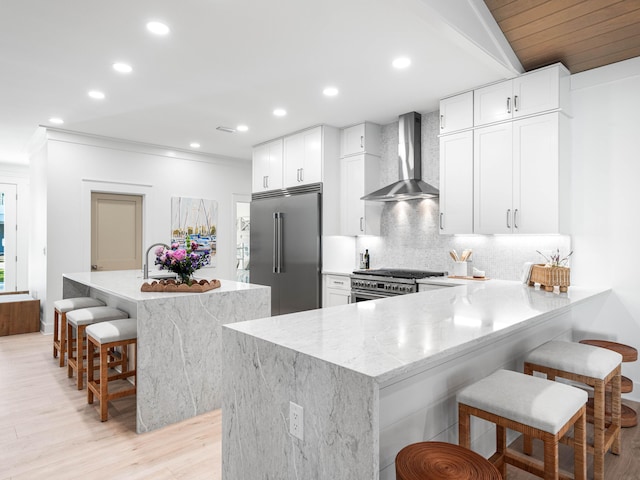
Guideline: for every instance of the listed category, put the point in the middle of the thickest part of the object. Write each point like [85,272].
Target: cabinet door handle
[361,220]
[298,175]
[338,283]
[515,218]
[362,141]
[441,122]
[508,104]
[509,218]
[515,103]
[441,220]
[302,174]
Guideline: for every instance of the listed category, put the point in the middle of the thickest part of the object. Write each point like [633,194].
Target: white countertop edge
[431,360]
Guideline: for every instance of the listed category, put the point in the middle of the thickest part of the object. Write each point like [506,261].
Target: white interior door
[116,231]
[8,226]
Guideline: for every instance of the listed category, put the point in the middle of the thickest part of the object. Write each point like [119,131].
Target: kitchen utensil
[454,255]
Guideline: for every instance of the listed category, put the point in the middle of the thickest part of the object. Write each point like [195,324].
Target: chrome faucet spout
[146,257]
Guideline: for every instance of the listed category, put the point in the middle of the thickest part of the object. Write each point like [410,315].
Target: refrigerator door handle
[280,237]
[275,243]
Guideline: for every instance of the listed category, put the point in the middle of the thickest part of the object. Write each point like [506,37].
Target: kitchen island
[179,339]
[375,376]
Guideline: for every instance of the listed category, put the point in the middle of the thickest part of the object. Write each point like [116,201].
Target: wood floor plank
[47,430]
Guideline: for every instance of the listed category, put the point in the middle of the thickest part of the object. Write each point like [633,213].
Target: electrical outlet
[296,420]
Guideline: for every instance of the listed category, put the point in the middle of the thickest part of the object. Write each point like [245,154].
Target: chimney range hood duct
[410,186]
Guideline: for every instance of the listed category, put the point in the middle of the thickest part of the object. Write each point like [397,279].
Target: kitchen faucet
[146,257]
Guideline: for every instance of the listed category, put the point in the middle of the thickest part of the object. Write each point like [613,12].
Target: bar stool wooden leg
[104,383]
[56,339]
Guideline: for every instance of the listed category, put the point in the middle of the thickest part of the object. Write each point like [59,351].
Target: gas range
[386,282]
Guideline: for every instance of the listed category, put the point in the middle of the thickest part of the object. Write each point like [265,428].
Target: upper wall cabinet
[456,113]
[536,92]
[361,138]
[303,158]
[456,183]
[267,166]
[359,175]
[521,175]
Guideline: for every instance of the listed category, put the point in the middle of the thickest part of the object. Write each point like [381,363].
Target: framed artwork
[196,218]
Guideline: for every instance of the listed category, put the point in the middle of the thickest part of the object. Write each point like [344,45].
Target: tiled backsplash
[409,230]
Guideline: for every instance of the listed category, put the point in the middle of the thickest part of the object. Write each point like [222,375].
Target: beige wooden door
[116,231]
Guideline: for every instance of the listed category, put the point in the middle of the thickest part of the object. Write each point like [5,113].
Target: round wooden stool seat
[442,461]
[629,354]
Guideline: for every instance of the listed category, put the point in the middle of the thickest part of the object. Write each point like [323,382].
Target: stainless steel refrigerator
[286,229]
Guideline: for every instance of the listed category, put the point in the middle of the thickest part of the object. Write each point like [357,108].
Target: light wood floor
[47,430]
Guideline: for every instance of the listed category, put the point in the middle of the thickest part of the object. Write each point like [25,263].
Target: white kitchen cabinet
[337,290]
[456,113]
[535,92]
[267,166]
[303,158]
[521,176]
[362,138]
[359,175]
[456,183]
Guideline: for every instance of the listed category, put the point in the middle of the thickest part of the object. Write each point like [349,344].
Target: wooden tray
[482,279]
[170,286]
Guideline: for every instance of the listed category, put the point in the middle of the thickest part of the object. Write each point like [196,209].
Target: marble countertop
[126,284]
[391,337]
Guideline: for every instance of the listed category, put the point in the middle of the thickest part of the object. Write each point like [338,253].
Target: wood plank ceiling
[582,34]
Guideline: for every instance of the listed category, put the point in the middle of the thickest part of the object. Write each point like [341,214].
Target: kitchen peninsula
[375,376]
[179,339]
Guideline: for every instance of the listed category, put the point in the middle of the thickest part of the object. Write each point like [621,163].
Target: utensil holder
[460,269]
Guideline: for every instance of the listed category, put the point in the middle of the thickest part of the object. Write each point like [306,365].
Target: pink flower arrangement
[180,261]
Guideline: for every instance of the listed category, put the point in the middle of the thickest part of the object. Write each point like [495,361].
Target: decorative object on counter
[628,416]
[198,286]
[549,277]
[443,461]
[182,261]
[554,260]
[555,273]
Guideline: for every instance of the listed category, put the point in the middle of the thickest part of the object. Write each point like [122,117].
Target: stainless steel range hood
[410,186]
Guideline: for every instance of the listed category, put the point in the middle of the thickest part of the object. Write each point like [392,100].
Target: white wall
[77,165]
[606,181]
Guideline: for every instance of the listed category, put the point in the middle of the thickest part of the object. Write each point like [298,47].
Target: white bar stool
[104,337]
[78,320]
[593,366]
[60,310]
[532,406]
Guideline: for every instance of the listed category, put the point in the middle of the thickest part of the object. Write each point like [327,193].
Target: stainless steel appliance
[386,282]
[410,186]
[285,246]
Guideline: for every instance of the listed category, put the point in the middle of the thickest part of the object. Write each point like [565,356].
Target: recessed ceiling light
[401,62]
[242,128]
[330,91]
[56,120]
[96,94]
[157,28]
[194,145]
[122,67]
[279,112]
